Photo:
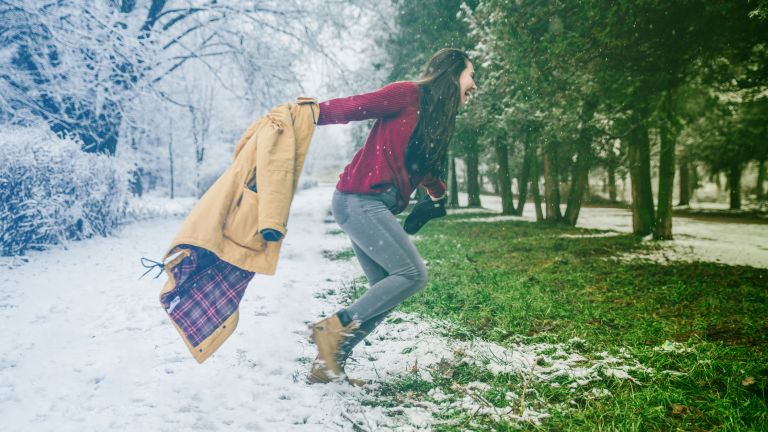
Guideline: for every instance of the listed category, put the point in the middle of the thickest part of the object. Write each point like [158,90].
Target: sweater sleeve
[435,187]
[384,102]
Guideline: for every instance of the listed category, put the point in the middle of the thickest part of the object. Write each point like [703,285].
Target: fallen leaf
[748,381]
[678,409]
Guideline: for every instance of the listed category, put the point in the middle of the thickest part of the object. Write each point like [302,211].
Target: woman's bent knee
[419,276]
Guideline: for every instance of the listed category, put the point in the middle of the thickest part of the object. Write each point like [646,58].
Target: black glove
[423,212]
[270,235]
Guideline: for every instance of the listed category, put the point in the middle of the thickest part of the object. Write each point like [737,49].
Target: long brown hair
[438,105]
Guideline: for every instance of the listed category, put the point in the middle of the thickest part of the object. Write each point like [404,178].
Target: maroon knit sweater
[381,161]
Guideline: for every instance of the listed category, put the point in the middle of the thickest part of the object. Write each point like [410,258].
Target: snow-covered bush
[52,191]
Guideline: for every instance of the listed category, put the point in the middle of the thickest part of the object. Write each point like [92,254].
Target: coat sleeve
[275,170]
[435,187]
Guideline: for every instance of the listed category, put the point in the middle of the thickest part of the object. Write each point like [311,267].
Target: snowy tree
[113,73]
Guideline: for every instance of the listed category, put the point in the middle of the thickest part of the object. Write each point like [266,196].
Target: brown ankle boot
[319,374]
[328,335]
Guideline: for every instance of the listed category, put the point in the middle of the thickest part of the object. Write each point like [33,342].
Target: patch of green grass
[352,290]
[328,293]
[335,255]
[501,280]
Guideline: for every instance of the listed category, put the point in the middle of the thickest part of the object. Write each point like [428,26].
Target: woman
[406,147]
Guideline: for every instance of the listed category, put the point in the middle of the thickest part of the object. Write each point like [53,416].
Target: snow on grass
[744,245]
[592,235]
[491,219]
[456,211]
[747,207]
[406,345]
[673,347]
[695,239]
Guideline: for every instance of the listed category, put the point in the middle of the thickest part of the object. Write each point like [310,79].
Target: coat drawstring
[154,264]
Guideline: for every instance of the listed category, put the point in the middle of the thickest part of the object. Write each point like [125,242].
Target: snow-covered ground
[87,346]
[694,239]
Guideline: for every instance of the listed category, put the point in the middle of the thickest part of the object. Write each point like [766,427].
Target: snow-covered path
[695,239]
[88,347]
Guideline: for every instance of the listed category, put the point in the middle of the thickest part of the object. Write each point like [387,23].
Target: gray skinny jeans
[390,261]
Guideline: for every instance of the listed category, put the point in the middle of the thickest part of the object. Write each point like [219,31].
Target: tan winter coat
[229,217]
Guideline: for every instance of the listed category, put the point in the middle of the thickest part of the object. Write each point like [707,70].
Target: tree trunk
[473,175]
[640,176]
[734,186]
[761,174]
[155,11]
[136,181]
[551,186]
[453,197]
[662,229]
[535,186]
[612,176]
[685,182]
[504,182]
[695,180]
[579,180]
[170,158]
[126,6]
[523,179]
[580,174]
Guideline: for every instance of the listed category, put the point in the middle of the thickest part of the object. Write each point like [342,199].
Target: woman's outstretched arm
[384,102]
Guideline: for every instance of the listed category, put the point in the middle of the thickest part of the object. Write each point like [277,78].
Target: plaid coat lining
[208,290]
